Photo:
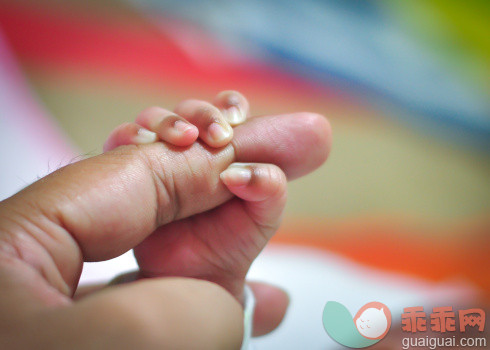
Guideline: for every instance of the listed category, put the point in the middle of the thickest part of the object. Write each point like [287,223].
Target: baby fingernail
[237,174]
[218,132]
[183,126]
[234,115]
[145,136]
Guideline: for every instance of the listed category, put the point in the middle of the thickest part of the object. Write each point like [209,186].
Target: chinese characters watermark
[442,319]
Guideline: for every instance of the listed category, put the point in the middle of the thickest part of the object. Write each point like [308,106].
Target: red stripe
[84,42]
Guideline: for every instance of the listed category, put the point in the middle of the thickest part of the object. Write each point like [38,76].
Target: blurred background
[400,212]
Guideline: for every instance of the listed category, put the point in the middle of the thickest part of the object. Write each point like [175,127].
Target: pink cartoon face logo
[373,320]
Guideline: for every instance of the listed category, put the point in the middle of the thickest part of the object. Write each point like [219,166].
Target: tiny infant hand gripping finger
[218,245]
[189,209]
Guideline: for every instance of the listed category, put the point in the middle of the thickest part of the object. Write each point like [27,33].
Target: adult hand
[101,207]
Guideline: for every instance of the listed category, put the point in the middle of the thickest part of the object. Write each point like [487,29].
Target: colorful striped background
[392,196]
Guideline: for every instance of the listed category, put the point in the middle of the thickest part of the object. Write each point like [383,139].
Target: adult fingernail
[234,115]
[237,174]
[184,127]
[145,136]
[219,132]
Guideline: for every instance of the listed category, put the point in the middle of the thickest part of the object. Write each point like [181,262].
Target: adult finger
[170,313]
[100,207]
[271,302]
[297,143]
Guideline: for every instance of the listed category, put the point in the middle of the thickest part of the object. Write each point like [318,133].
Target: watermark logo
[442,319]
[443,327]
[371,324]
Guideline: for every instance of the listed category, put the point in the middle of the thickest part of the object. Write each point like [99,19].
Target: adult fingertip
[322,134]
[299,143]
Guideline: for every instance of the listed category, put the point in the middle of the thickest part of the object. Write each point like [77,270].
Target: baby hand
[190,119]
[218,245]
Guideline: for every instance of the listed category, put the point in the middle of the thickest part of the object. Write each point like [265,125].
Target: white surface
[312,277]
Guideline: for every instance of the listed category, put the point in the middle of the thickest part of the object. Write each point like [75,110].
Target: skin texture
[221,244]
[101,207]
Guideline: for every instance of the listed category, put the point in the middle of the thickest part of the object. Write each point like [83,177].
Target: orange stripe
[460,251]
